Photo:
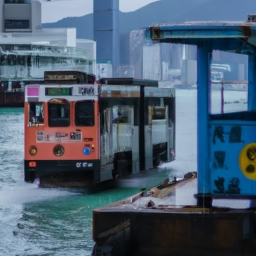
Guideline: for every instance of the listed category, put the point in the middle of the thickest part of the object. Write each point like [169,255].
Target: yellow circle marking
[247,161]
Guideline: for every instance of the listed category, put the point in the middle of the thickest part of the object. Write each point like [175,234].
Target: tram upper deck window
[58,113]
[36,114]
[84,113]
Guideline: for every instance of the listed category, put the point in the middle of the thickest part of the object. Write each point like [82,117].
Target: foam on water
[39,221]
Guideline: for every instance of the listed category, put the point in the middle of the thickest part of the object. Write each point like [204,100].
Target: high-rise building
[137,41]
[106,33]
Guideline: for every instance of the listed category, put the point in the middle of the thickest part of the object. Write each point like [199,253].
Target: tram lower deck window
[84,113]
[59,114]
[36,114]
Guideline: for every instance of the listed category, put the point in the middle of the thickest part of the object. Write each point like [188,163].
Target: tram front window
[59,113]
[84,113]
[36,114]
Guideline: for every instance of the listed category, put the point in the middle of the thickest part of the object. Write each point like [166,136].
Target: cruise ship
[27,50]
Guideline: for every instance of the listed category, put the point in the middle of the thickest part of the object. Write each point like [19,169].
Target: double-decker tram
[81,131]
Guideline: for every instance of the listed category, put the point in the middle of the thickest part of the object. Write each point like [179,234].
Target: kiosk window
[36,114]
[84,113]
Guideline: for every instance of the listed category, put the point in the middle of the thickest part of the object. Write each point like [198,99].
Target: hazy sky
[55,10]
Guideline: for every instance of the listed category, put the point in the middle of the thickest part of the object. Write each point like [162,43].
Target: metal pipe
[222,96]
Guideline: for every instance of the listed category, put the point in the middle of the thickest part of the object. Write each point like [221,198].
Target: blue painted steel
[204,30]
[227,171]
[252,83]
[224,140]
[203,67]
[229,36]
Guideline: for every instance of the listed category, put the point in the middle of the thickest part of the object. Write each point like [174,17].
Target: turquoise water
[59,225]
[36,221]
[55,222]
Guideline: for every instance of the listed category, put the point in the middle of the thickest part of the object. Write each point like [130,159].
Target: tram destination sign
[58,91]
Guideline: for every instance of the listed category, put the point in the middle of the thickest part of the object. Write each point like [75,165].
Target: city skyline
[52,11]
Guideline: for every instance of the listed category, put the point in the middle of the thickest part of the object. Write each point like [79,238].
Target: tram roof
[239,37]
[129,81]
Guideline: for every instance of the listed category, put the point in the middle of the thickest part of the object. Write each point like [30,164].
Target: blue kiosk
[223,219]
[226,141]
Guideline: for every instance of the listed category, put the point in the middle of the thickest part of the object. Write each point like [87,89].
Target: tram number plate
[75,136]
[83,164]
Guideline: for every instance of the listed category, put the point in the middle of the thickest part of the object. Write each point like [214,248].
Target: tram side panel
[106,144]
[124,126]
[159,126]
[116,140]
[119,131]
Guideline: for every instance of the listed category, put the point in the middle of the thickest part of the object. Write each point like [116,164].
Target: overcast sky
[55,10]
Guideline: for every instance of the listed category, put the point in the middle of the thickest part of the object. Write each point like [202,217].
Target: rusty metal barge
[213,213]
[14,98]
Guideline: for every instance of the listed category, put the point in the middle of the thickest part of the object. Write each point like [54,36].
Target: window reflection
[121,115]
[36,114]
[58,113]
[84,113]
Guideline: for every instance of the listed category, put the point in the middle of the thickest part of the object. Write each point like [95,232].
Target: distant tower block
[106,32]
[137,40]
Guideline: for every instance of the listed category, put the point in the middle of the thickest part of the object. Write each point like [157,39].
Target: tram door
[156,134]
[107,151]
[123,139]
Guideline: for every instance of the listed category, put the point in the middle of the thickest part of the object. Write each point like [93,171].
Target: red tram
[84,132]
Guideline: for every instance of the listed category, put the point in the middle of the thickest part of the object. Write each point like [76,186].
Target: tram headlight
[33,150]
[58,150]
[86,150]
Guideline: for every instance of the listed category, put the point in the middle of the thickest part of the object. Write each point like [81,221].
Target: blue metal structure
[223,221]
[226,143]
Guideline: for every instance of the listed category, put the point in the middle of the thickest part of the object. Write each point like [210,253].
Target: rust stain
[223,237]
[247,32]
[168,188]
[155,32]
[121,226]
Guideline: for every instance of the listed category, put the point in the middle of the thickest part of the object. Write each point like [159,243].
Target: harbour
[41,221]
[95,122]
[45,221]
[222,218]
